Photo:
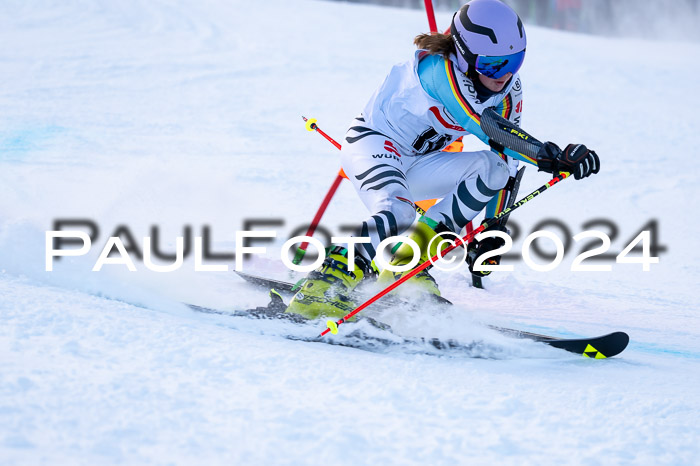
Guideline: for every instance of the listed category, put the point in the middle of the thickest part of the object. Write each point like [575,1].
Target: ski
[269,283]
[601,347]
[355,337]
[605,346]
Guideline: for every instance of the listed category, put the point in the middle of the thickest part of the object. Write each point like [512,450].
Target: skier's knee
[405,215]
[399,214]
[496,173]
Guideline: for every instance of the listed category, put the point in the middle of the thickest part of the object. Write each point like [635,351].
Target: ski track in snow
[152,113]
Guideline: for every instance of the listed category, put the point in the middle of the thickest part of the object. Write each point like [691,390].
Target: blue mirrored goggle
[497,67]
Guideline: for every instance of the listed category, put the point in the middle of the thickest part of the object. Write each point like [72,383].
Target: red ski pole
[301,250]
[332,326]
[312,126]
[431,16]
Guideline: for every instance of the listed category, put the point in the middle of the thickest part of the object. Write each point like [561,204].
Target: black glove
[576,159]
[476,248]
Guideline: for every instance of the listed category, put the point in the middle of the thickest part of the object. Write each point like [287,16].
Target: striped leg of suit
[388,183]
[378,227]
[375,167]
[470,198]
[465,181]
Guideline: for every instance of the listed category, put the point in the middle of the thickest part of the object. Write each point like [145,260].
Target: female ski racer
[393,155]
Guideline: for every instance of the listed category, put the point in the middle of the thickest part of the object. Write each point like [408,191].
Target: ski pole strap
[464,240]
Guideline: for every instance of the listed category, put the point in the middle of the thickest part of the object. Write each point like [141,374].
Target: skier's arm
[511,109]
[439,80]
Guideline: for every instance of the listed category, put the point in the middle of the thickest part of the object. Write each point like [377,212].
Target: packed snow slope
[141,114]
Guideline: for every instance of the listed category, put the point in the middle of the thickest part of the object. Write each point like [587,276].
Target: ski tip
[606,346]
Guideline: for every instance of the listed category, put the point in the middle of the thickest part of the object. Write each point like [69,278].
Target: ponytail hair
[436,44]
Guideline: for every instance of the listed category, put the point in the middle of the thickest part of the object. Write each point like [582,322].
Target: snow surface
[155,113]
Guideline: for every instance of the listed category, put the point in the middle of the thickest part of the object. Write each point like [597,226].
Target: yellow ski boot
[422,233]
[327,290]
